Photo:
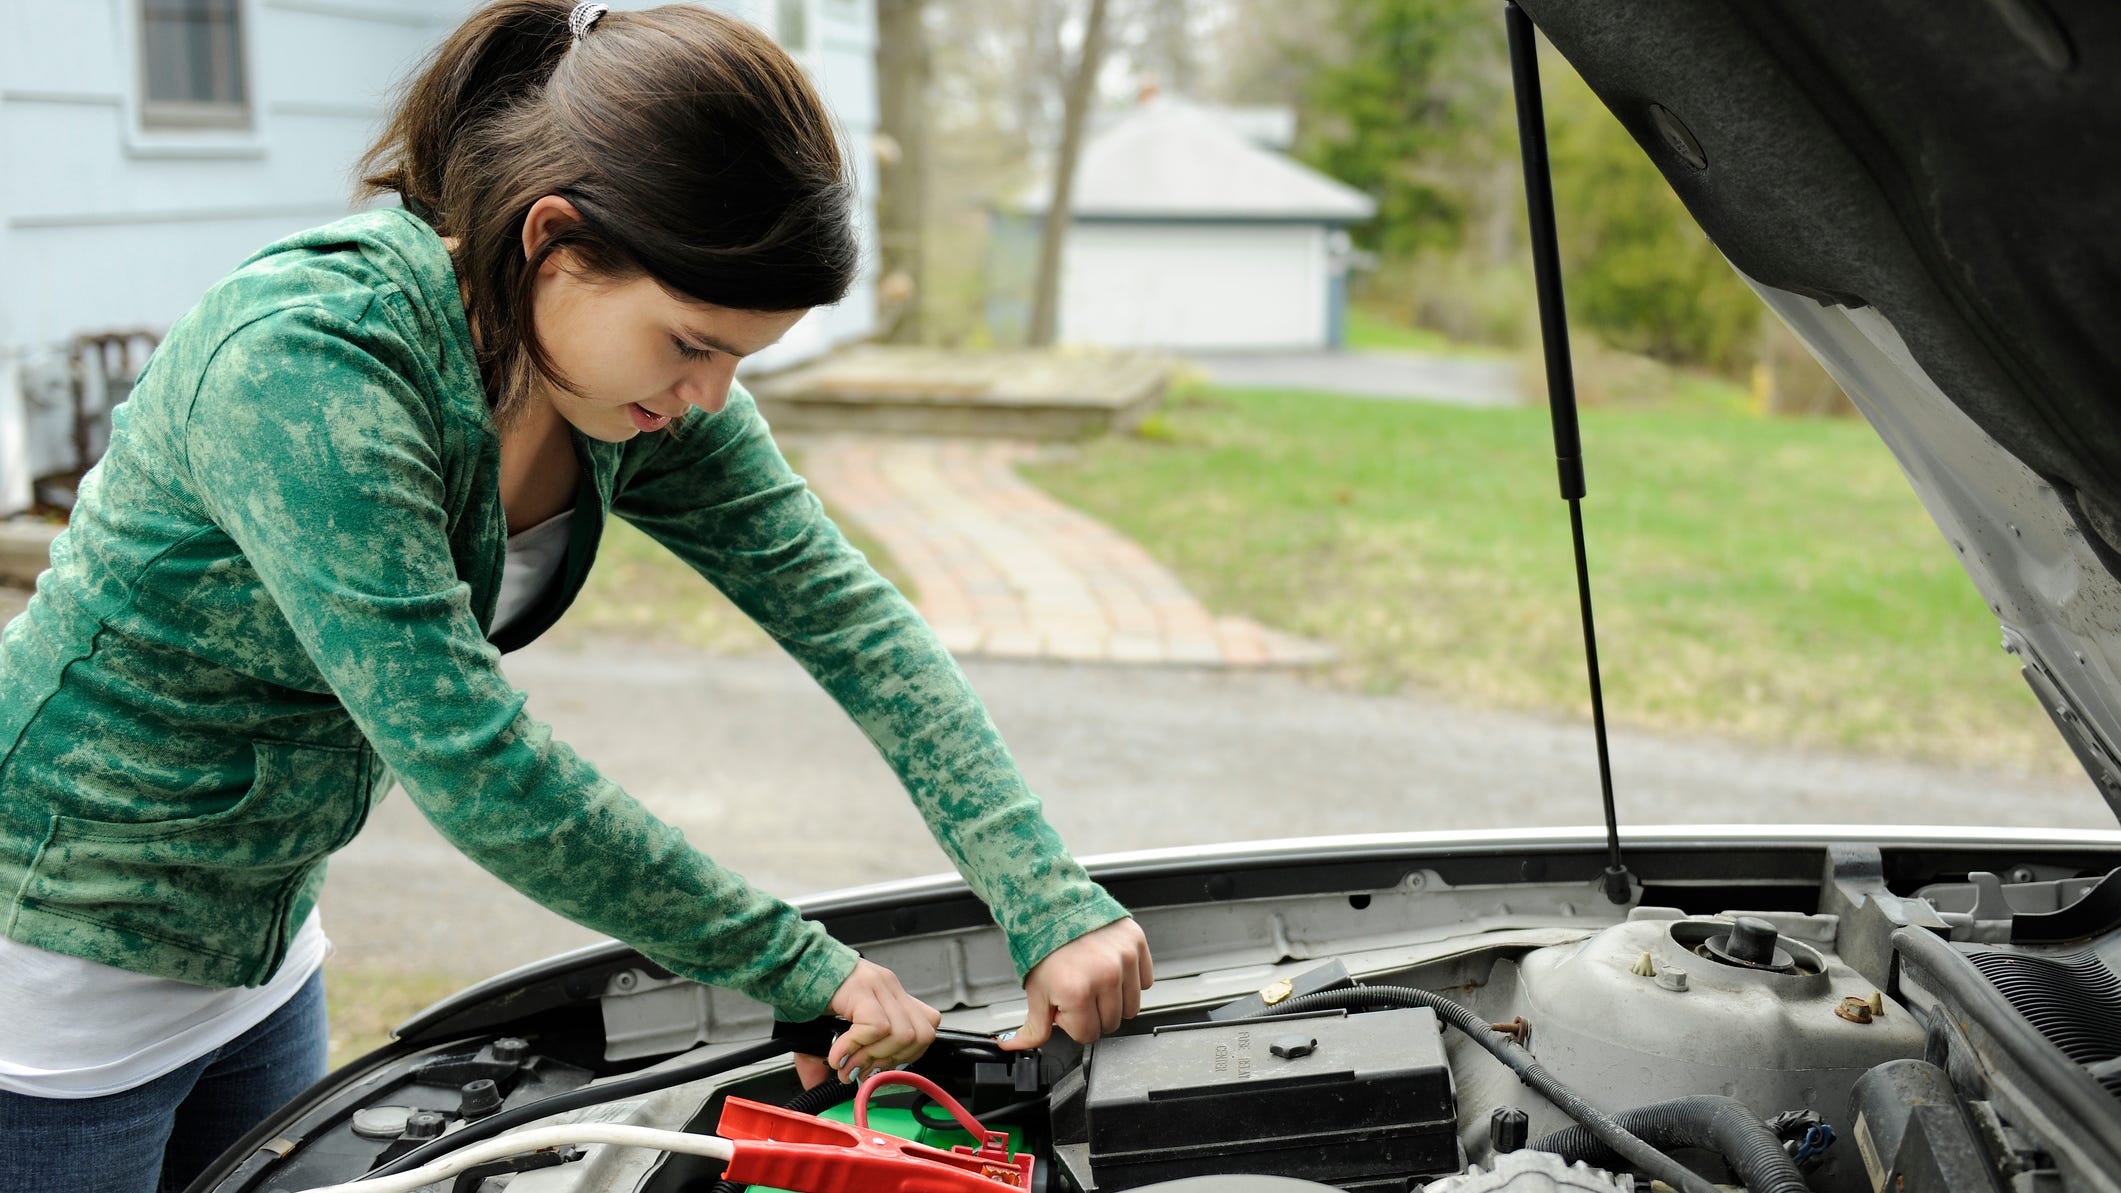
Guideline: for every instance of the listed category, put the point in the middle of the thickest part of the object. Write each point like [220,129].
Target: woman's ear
[546,218]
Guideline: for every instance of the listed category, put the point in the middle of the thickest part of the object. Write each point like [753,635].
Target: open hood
[1928,195]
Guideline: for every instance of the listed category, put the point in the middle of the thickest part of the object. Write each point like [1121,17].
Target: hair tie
[584,18]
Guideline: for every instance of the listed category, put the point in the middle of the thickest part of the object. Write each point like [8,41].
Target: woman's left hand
[1087,986]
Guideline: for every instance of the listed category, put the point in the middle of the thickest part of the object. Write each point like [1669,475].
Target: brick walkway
[1001,570]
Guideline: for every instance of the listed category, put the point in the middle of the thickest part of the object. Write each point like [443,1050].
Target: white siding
[14,418]
[104,225]
[840,56]
[1195,286]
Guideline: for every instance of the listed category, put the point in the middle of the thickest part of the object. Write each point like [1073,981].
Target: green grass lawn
[1368,331]
[1773,580]
[640,591]
[366,1002]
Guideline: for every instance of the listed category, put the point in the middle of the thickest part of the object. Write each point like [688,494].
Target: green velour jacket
[274,598]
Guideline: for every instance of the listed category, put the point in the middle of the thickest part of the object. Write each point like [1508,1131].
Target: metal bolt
[1855,1008]
[626,981]
[1672,978]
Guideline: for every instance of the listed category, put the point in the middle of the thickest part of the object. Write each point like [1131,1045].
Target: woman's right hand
[889,1027]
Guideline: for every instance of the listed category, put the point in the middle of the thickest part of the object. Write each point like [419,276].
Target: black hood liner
[1955,165]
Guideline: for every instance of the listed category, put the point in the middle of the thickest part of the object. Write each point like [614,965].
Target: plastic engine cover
[1329,1097]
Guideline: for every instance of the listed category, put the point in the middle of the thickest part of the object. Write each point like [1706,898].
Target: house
[148,146]
[1187,233]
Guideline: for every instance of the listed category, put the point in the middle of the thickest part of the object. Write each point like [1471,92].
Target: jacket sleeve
[310,450]
[716,491]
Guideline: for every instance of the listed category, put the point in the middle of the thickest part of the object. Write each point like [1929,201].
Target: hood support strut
[1561,385]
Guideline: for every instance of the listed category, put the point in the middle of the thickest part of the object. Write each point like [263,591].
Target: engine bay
[1435,1032]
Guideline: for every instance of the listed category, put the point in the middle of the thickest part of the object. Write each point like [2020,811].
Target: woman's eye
[689,352]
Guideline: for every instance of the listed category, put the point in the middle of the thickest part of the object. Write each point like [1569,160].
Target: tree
[1166,44]
[902,75]
[1415,112]
[1082,92]
[1639,270]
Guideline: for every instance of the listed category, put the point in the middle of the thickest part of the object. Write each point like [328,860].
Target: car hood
[1927,195]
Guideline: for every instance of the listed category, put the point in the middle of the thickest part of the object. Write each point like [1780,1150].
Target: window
[191,64]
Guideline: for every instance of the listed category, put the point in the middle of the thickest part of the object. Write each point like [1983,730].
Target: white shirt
[534,558]
[73,1028]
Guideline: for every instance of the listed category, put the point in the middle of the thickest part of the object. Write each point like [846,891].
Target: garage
[1188,236]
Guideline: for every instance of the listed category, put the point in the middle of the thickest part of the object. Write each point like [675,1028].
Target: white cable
[537,1139]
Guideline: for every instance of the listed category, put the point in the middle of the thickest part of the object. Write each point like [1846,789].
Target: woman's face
[639,355]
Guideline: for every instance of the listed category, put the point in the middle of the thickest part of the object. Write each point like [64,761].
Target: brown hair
[694,149]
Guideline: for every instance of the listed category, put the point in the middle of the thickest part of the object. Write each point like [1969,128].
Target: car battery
[1333,1097]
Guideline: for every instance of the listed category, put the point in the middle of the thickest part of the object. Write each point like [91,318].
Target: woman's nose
[708,391]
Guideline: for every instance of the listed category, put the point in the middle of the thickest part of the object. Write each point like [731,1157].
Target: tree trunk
[902,72]
[1170,49]
[1082,92]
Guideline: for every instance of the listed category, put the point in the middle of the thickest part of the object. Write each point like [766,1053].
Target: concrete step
[1023,394]
[25,550]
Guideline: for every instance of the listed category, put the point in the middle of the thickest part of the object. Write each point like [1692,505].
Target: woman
[371,458]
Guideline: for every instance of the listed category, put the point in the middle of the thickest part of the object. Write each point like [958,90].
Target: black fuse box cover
[1326,1097]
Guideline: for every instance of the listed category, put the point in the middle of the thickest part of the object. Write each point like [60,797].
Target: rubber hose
[1640,1157]
[1721,1125]
[943,1122]
[575,1099]
[816,1099]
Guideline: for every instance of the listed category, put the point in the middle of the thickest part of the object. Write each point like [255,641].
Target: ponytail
[497,59]
[694,149]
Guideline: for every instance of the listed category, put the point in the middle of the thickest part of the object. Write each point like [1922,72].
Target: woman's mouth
[645,419]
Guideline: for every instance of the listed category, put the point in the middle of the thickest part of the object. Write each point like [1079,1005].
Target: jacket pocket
[209,899]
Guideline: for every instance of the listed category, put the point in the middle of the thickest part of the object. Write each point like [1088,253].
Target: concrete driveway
[762,770]
[1407,376]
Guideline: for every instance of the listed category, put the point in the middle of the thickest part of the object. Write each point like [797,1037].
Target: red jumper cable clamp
[789,1150]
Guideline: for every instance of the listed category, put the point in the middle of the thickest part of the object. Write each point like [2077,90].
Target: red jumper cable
[788,1150]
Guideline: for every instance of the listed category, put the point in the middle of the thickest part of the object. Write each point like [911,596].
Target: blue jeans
[155,1138]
